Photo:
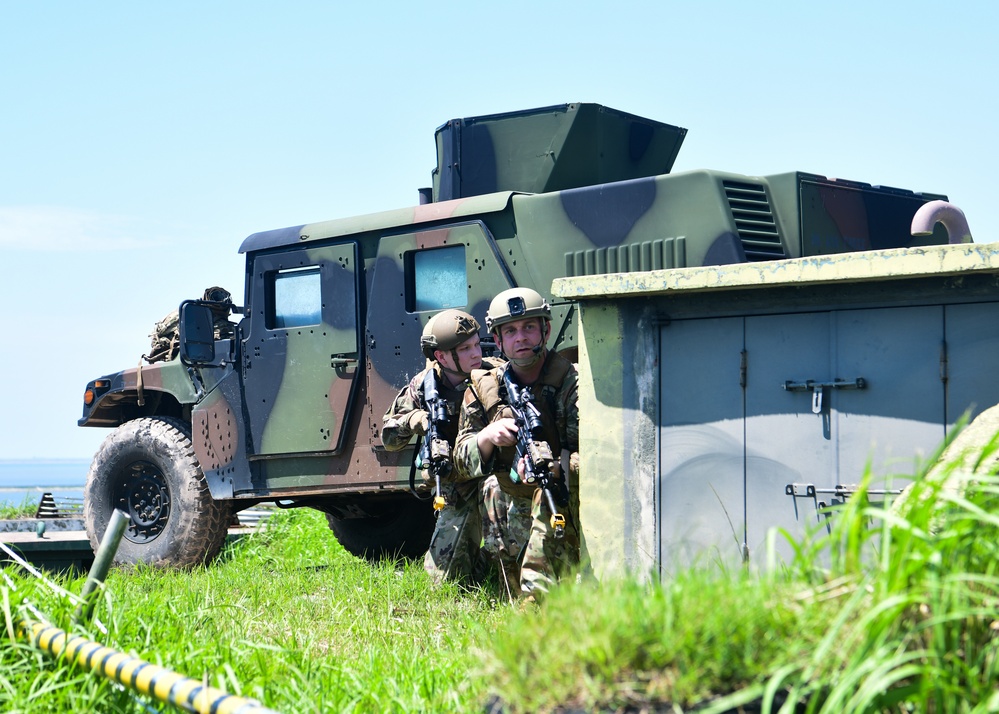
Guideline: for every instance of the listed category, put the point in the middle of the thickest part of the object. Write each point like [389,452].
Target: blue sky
[141,142]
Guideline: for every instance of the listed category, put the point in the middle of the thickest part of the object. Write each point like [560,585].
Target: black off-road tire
[401,529]
[147,468]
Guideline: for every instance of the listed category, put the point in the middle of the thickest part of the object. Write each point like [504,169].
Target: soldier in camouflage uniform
[472,524]
[520,320]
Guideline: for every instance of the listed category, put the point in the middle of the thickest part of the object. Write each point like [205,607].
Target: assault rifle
[435,453]
[539,464]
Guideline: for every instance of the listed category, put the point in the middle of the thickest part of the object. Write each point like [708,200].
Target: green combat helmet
[446,331]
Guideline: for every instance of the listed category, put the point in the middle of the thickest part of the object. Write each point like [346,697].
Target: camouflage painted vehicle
[288,409]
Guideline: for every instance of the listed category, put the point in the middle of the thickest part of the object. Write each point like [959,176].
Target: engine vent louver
[754,220]
[639,257]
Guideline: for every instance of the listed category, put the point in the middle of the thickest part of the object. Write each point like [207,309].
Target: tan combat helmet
[445,332]
[428,331]
[516,304]
[519,304]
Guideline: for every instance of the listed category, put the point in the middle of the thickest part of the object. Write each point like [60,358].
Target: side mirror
[197,333]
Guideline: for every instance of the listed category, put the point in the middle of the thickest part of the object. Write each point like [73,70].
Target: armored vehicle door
[300,355]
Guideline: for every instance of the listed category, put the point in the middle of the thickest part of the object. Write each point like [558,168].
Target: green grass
[26,509]
[285,616]
[894,610]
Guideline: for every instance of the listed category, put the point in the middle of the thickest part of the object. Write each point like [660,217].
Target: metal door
[767,419]
[788,442]
[301,354]
[701,482]
[827,394]
[971,360]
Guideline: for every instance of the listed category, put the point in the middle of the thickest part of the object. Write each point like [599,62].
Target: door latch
[818,388]
[837,495]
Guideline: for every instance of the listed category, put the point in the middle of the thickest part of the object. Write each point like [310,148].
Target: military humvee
[288,408]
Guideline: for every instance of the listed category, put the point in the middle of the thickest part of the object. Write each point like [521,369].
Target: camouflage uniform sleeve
[569,393]
[402,420]
[474,417]
[467,460]
[569,417]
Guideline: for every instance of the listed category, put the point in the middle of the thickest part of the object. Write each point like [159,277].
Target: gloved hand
[419,422]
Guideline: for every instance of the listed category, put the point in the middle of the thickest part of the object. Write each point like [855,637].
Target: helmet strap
[530,361]
[462,376]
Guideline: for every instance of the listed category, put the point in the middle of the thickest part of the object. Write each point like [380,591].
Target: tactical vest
[453,397]
[487,386]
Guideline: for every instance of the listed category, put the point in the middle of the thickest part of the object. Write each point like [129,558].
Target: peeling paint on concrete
[618,424]
[940,260]
[621,379]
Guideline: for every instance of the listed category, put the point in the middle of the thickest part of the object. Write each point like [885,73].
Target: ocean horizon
[27,479]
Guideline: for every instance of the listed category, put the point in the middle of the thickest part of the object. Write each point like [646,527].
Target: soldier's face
[519,337]
[469,356]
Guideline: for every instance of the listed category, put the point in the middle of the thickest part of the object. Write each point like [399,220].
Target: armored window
[437,279]
[297,298]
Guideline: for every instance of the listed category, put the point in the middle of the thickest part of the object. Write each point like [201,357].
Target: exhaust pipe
[952,218]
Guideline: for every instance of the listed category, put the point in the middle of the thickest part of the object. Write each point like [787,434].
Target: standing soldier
[472,517]
[520,320]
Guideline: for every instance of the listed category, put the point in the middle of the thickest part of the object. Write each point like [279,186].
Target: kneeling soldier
[471,515]
[537,460]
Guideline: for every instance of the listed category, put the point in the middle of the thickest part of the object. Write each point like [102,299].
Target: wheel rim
[142,493]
